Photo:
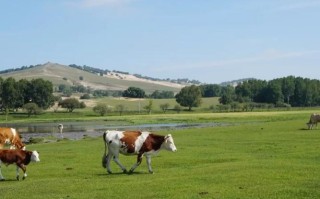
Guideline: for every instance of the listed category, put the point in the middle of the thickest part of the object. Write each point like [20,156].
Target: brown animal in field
[134,143]
[19,157]
[9,136]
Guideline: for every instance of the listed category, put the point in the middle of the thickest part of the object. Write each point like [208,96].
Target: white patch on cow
[7,141]
[35,156]
[140,140]
[14,132]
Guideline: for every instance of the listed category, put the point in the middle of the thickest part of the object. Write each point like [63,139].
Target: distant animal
[10,136]
[60,127]
[19,157]
[313,121]
[134,143]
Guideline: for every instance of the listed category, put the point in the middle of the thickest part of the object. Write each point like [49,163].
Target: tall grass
[266,155]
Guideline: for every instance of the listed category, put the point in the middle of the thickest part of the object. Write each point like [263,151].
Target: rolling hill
[61,74]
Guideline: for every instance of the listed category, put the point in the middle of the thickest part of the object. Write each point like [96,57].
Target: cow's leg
[108,160]
[148,157]
[116,159]
[24,169]
[1,176]
[139,160]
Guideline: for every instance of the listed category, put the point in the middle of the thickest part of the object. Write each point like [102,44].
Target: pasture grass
[264,155]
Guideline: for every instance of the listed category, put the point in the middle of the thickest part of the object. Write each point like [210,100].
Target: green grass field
[259,155]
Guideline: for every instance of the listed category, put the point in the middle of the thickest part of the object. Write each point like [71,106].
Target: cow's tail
[104,157]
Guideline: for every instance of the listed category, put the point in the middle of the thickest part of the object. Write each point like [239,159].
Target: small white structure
[60,127]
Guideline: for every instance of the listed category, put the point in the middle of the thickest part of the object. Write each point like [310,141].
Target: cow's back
[126,142]
[314,118]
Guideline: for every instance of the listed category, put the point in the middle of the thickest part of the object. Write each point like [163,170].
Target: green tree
[164,107]
[149,106]
[288,88]
[274,93]
[134,92]
[31,108]
[210,90]
[40,91]
[189,96]
[70,104]
[228,95]
[102,109]
[9,93]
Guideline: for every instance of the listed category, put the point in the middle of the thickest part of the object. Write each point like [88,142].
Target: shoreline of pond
[76,130]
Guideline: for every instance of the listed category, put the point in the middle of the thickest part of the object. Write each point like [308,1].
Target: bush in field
[71,103]
[101,109]
[31,108]
[134,92]
[164,107]
[85,96]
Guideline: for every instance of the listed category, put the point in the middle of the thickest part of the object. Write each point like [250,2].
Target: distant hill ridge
[89,77]
[105,72]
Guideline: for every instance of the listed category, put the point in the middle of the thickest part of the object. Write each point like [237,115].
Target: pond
[78,130]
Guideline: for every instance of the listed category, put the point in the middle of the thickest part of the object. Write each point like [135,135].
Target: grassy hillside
[61,74]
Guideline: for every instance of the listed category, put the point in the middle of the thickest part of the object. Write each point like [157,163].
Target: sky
[211,41]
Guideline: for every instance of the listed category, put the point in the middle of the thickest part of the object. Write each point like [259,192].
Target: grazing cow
[11,137]
[134,143]
[19,157]
[314,119]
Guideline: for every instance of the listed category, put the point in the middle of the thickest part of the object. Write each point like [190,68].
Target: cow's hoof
[18,178]
[125,171]
[131,171]
[23,178]
[151,172]
[2,179]
[109,172]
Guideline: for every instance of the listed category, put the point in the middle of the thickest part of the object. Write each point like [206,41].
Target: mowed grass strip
[271,159]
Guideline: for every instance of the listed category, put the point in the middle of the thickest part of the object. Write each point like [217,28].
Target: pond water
[78,130]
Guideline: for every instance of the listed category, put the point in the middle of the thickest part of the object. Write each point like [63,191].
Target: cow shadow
[121,173]
[9,180]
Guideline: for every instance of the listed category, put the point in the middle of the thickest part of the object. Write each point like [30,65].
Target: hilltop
[107,80]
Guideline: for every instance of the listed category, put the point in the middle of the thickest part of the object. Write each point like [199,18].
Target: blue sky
[207,40]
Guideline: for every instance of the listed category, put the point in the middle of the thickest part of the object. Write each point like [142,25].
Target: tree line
[282,92]
[15,94]
[286,91]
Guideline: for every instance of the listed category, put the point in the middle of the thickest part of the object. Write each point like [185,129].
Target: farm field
[258,155]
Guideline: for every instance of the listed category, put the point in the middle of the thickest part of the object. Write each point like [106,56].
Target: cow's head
[169,143]
[35,156]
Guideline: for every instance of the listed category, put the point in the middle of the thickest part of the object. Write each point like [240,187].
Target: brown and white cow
[9,136]
[314,119]
[134,143]
[19,157]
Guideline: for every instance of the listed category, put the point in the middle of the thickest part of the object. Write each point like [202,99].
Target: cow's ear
[167,136]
